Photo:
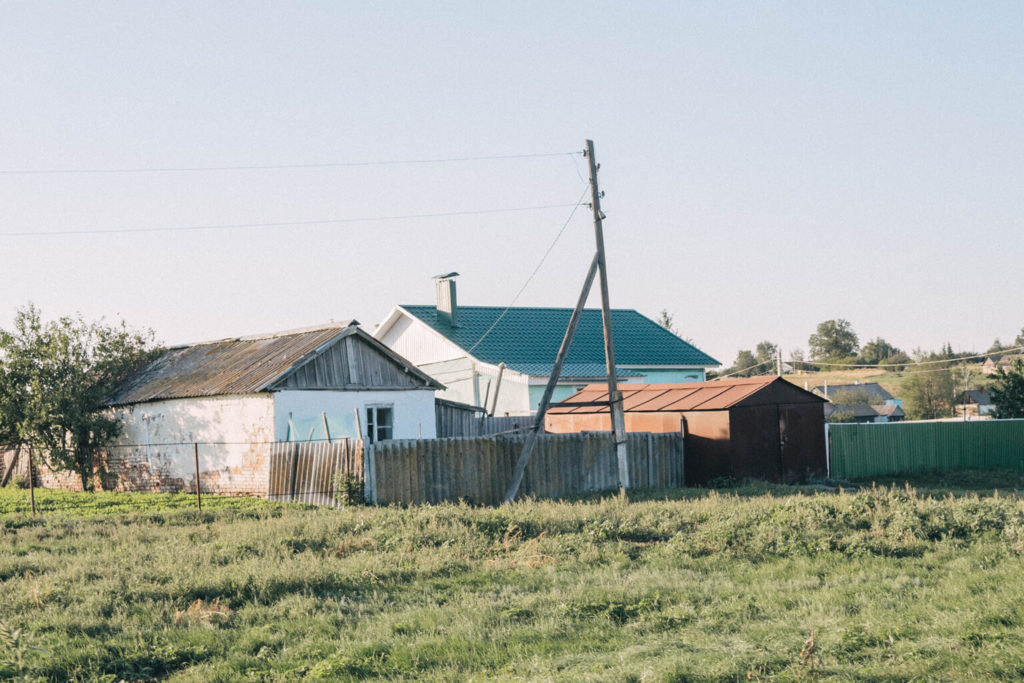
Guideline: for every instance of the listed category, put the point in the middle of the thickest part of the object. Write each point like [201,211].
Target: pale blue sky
[767,165]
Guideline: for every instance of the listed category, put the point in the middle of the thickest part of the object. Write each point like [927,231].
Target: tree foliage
[54,379]
[834,339]
[766,353]
[745,365]
[877,351]
[928,393]
[1008,391]
[667,320]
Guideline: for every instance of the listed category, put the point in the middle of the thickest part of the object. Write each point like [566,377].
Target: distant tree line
[928,392]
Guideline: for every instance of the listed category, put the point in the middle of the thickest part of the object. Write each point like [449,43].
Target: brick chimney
[447,302]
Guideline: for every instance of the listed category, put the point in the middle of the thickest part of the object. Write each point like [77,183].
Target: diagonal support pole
[556,371]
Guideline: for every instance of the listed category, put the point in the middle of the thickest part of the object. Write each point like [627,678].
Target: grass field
[756,583]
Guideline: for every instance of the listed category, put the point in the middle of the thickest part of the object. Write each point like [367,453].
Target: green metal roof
[533,335]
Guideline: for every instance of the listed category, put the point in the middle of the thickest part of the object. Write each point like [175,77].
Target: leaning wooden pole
[556,371]
[614,398]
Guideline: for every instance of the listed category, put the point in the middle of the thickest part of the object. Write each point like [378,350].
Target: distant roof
[686,396]
[526,336]
[980,397]
[889,410]
[240,365]
[854,409]
[873,389]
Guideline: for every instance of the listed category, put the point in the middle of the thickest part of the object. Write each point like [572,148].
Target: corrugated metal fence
[307,472]
[480,469]
[454,420]
[864,450]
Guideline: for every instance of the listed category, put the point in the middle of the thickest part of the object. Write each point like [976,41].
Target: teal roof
[533,335]
[571,370]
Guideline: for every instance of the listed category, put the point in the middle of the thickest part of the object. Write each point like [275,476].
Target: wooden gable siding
[350,363]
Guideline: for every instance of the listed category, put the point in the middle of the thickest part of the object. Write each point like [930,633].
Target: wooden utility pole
[597,266]
[778,361]
[614,397]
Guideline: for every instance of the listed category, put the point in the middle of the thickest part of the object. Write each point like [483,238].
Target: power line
[281,224]
[543,258]
[268,167]
[909,363]
[751,367]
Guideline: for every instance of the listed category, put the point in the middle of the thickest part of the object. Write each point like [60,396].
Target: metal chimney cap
[446,276]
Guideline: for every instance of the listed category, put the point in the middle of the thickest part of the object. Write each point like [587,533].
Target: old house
[757,427]
[233,396]
[996,362]
[974,402]
[501,359]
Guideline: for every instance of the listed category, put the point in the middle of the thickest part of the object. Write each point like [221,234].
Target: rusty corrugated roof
[240,365]
[649,398]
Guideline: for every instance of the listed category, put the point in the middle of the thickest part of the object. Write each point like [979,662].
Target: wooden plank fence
[479,469]
[307,472]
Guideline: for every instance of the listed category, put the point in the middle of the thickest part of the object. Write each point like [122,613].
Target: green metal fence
[864,450]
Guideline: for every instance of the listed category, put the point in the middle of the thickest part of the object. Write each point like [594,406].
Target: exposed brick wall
[229,470]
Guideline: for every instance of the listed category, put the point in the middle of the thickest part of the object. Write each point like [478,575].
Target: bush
[17,482]
[348,489]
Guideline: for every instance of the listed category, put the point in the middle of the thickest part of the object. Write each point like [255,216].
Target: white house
[234,396]
[500,359]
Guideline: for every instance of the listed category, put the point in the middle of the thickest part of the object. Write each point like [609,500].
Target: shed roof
[241,365]
[523,335]
[687,396]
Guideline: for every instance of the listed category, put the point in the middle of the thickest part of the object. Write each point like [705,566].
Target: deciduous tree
[877,351]
[928,393]
[54,379]
[834,339]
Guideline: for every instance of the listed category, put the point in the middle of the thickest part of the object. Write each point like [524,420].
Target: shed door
[801,440]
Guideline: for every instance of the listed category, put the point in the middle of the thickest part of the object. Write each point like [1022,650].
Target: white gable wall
[416,341]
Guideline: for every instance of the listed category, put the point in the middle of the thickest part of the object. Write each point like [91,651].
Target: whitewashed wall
[413,411]
[154,451]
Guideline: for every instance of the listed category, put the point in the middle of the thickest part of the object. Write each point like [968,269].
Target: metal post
[563,351]
[195,456]
[31,480]
[614,398]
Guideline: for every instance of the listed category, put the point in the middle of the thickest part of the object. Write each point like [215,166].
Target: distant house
[501,359]
[1005,361]
[872,392]
[233,395]
[975,402]
[757,427]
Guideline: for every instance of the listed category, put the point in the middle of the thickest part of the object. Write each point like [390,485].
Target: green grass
[691,585]
[48,501]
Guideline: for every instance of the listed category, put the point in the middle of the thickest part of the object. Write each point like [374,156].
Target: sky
[767,166]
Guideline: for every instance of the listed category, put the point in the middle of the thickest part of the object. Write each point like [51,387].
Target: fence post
[195,456]
[31,481]
[828,452]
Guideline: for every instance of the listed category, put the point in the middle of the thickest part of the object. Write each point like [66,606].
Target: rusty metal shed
[758,427]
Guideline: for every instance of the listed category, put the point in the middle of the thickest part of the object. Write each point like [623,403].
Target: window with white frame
[380,425]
